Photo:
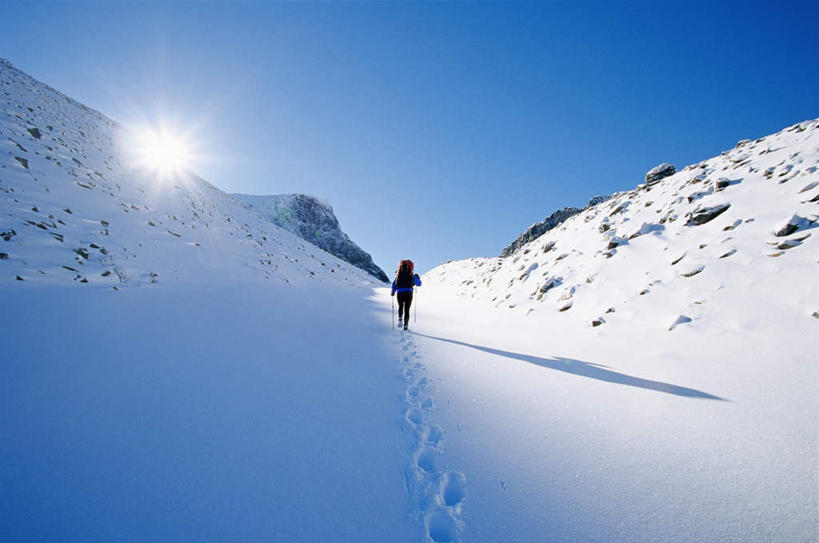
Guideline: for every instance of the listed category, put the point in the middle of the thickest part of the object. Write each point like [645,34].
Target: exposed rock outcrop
[312,219]
[703,215]
[657,173]
[794,223]
[553,220]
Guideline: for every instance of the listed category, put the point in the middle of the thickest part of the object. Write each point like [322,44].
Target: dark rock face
[553,220]
[313,219]
[540,228]
[705,214]
[795,223]
[657,173]
[616,241]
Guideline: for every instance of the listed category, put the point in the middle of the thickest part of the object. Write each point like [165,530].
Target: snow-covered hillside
[645,371]
[312,219]
[75,208]
[242,393]
[737,232]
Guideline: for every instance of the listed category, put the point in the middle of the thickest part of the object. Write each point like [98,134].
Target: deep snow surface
[581,436]
[254,413]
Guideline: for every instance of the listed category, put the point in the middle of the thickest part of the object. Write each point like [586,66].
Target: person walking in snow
[405,281]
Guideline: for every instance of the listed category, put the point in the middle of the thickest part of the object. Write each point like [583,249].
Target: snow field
[611,434]
[200,413]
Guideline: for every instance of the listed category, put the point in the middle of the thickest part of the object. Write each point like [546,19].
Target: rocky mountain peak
[313,219]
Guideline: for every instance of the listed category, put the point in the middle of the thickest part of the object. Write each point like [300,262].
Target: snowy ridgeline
[737,231]
[73,209]
[313,219]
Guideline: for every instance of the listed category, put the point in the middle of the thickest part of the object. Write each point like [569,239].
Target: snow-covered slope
[713,235]
[73,208]
[645,371]
[552,221]
[312,219]
[238,395]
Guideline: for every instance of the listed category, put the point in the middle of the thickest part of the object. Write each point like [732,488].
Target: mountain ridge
[313,219]
[552,221]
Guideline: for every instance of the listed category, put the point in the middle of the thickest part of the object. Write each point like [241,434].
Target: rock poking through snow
[794,223]
[658,173]
[691,272]
[313,219]
[550,222]
[702,215]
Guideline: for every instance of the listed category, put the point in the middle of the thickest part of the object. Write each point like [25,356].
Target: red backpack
[404,278]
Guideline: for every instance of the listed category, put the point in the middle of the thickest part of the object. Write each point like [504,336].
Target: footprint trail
[436,495]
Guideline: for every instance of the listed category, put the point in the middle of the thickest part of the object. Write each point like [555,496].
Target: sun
[162,152]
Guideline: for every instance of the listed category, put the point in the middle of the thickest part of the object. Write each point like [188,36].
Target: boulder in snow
[702,215]
[694,270]
[658,173]
[616,241]
[550,283]
[795,223]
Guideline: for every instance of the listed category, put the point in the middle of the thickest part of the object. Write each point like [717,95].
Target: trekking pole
[392,306]
[415,313]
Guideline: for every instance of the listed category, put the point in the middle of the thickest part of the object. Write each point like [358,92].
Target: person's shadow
[587,369]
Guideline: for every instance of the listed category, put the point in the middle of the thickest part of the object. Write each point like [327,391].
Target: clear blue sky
[437,131]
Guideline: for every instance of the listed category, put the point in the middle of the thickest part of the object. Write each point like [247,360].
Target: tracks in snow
[436,495]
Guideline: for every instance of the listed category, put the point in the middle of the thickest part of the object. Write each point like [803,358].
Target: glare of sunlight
[162,151]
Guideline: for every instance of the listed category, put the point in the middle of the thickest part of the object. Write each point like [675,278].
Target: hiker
[405,281]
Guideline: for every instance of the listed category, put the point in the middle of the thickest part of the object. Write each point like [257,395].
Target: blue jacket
[406,289]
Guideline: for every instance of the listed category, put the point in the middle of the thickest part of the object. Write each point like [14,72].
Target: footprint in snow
[433,435]
[441,527]
[425,459]
[453,488]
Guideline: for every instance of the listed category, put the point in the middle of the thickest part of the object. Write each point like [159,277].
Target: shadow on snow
[588,369]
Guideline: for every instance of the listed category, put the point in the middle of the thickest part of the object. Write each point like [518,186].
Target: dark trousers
[404,303]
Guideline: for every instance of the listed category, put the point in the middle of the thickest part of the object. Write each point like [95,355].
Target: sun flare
[161,151]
